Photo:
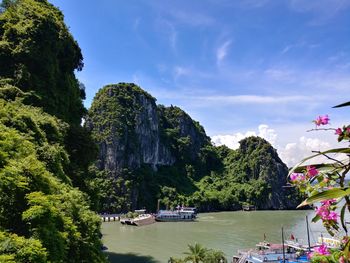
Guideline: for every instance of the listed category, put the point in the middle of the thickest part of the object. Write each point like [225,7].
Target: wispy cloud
[245,4]
[181,71]
[136,23]
[222,51]
[167,30]
[280,74]
[254,99]
[191,18]
[322,10]
[255,3]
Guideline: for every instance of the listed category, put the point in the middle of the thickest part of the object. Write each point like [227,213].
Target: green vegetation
[127,124]
[38,53]
[39,208]
[44,153]
[198,254]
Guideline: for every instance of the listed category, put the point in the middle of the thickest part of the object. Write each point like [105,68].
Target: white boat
[267,252]
[143,219]
[175,216]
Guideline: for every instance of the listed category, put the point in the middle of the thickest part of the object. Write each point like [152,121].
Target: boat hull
[174,220]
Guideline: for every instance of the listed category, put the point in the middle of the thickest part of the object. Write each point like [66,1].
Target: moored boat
[140,220]
[175,216]
[267,252]
[143,219]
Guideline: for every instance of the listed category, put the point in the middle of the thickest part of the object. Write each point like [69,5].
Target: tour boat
[175,216]
[266,252]
[289,251]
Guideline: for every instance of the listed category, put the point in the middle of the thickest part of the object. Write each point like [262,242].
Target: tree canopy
[38,53]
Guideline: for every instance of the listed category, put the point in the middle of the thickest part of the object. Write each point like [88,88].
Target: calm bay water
[227,231]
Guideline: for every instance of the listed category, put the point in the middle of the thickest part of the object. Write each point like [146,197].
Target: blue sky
[234,66]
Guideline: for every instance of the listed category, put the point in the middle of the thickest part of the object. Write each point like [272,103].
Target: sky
[240,68]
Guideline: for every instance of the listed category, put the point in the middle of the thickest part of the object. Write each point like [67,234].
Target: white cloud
[293,153]
[290,153]
[267,133]
[222,51]
[232,141]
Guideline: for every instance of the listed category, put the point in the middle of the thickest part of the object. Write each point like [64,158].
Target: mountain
[149,152]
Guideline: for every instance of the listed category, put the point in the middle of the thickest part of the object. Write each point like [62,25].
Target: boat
[329,241]
[266,252]
[248,208]
[187,208]
[289,251]
[143,219]
[140,220]
[126,221]
[175,216]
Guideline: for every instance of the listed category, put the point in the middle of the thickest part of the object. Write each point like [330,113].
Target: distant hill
[149,152]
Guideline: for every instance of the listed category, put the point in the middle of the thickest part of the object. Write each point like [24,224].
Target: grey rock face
[134,137]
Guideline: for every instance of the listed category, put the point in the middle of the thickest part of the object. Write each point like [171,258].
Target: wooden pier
[110,217]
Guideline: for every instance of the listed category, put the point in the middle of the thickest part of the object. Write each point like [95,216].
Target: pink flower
[341,259]
[322,250]
[328,202]
[325,119]
[333,216]
[339,131]
[324,211]
[309,255]
[311,171]
[345,240]
[297,177]
[322,120]
[318,121]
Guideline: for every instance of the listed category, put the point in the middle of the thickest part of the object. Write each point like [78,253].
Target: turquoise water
[227,231]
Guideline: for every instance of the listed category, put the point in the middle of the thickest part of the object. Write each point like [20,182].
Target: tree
[215,256]
[196,254]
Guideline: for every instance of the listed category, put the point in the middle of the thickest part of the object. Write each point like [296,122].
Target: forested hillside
[150,152]
[44,152]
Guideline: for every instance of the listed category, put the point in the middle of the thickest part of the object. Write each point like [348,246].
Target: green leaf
[342,105]
[316,218]
[342,215]
[299,166]
[328,194]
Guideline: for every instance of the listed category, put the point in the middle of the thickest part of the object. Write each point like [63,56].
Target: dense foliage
[39,209]
[38,53]
[43,217]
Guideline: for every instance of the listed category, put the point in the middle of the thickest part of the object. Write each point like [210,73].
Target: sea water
[226,231]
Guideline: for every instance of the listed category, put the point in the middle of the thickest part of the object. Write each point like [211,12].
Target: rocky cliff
[150,153]
[261,162]
[124,121]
